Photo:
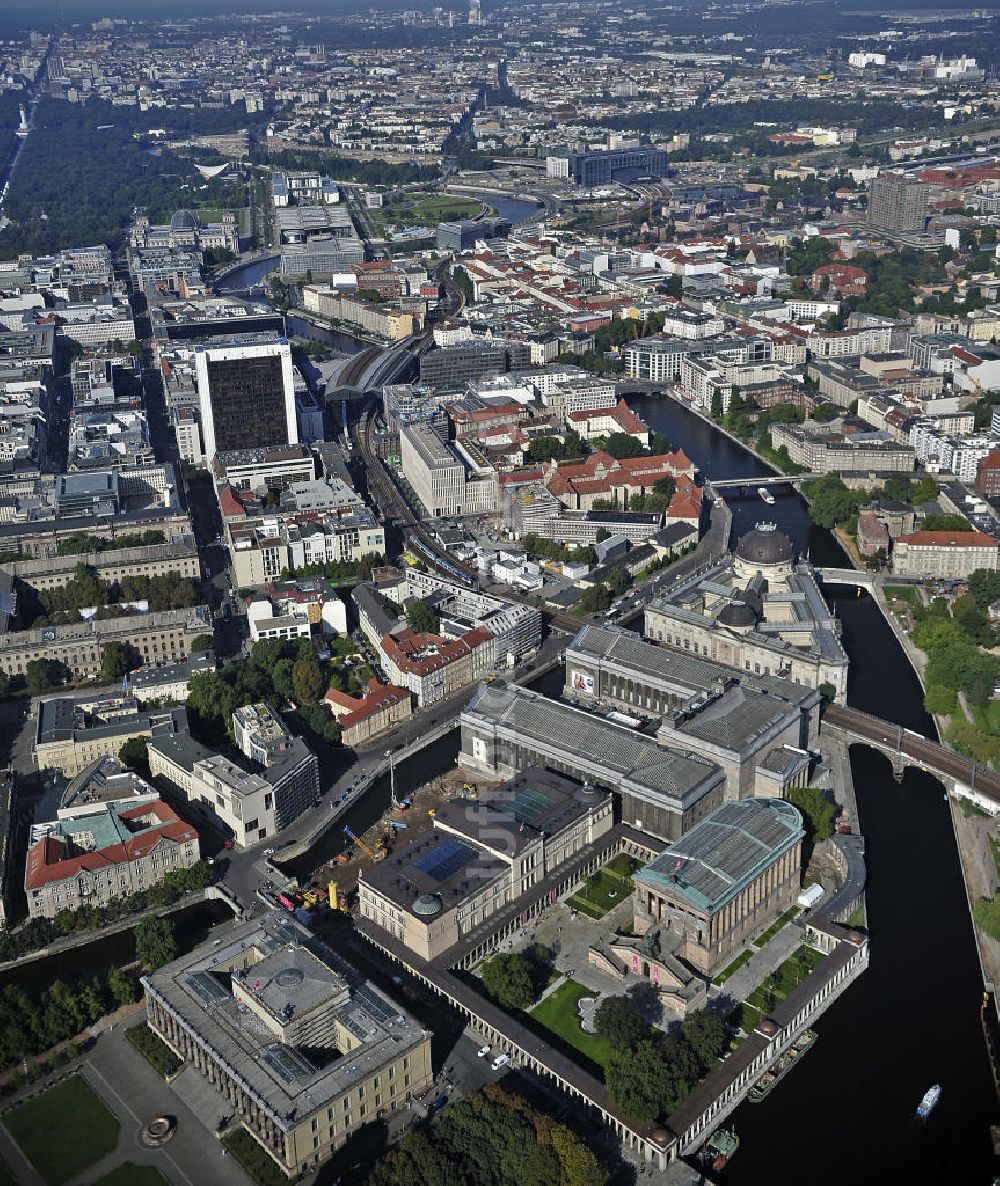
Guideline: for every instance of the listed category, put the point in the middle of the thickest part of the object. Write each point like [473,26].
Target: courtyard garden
[603,890]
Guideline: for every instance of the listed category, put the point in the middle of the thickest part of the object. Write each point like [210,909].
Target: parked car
[502,1061]
[483,1051]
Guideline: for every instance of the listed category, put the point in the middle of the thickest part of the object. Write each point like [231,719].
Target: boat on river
[719,1149]
[929,1101]
[766,495]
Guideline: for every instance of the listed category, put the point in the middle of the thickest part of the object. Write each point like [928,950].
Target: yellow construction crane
[373,854]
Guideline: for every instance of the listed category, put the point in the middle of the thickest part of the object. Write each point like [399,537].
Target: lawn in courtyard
[133,1175]
[603,890]
[559,1014]
[63,1130]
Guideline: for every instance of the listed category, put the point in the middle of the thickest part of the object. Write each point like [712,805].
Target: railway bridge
[904,747]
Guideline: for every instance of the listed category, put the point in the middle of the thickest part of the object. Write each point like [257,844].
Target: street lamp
[392,778]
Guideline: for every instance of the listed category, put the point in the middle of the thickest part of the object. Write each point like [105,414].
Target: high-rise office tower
[897,203]
[246,393]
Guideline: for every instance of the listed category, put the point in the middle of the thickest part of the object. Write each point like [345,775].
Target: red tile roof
[949,539]
[377,698]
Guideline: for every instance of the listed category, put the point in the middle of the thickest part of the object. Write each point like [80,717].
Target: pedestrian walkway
[756,970]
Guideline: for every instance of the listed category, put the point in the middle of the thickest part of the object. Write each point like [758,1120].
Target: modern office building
[444,475]
[480,858]
[625,164]
[723,882]
[453,367]
[246,393]
[463,236]
[250,801]
[758,609]
[304,1050]
[506,728]
[897,203]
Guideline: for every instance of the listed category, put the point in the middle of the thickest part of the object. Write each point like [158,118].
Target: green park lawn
[63,1130]
[558,1014]
[988,717]
[133,1175]
[426,210]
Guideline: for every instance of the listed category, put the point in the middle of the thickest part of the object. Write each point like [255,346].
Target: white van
[501,1061]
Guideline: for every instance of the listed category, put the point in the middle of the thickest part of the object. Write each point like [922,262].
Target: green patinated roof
[724,853]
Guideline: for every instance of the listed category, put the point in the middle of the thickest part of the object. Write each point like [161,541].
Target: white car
[502,1061]
[483,1051]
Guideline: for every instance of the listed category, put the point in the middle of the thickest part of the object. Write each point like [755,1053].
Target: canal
[192,925]
[846,1113]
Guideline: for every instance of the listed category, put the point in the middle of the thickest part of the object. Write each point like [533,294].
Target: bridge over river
[905,748]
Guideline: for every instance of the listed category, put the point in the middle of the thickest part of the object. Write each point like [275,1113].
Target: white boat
[766,495]
[929,1101]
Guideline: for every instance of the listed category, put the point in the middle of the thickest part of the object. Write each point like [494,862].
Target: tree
[619,580]
[963,667]
[945,523]
[508,981]
[421,618]
[4,684]
[621,445]
[116,661]
[594,600]
[639,1082]
[155,944]
[41,675]
[825,412]
[281,678]
[659,443]
[716,405]
[619,1023]
[134,754]
[817,812]
[307,680]
[984,585]
[706,1034]
[266,652]
[201,643]
[940,701]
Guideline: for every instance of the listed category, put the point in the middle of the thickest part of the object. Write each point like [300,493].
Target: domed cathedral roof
[737,615]
[766,545]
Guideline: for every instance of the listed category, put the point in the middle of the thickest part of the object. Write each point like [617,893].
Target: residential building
[723,882]
[433,667]
[304,1050]
[897,203]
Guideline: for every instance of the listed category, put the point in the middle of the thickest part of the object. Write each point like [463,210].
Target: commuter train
[447,568]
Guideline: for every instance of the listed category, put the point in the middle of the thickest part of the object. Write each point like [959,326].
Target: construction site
[334,884]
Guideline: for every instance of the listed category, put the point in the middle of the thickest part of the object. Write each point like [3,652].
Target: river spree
[846,1113]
